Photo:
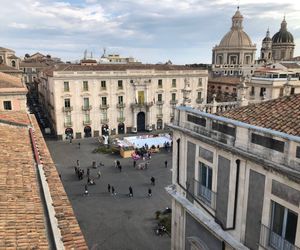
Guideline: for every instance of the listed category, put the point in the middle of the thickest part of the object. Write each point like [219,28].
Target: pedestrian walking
[77,163]
[88,172]
[166,164]
[113,192]
[70,138]
[79,145]
[86,191]
[134,163]
[115,163]
[149,192]
[108,188]
[120,168]
[152,181]
[118,163]
[130,192]
[99,174]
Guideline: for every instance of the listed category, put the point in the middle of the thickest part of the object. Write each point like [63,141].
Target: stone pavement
[114,222]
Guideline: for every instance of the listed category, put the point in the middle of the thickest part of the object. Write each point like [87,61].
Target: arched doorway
[69,133]
[159,124]
[121,128]
[87,131]
[105,129]
[141,121]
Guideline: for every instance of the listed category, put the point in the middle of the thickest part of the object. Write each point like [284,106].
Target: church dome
[236,37]
[283,36]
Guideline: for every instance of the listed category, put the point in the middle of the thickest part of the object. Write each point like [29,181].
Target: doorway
[141,121]
[87,131]
[121,128]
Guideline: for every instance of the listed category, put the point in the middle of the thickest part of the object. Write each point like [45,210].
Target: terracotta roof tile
[281,114]
[224,80]
[22,223]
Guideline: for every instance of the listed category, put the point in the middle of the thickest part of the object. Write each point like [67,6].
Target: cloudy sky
[152,31]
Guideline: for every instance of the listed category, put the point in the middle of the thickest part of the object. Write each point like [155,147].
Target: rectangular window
[66,87]
[199,82]
[159,97]
[199,95]
[281,92]
[173,96]
[159,83]
[120,99]
[267,142]
[252,91]
[262,91]
[173,83]
[141,97]
[206,154]
[120,84]
[67,103]
[85,86]
[197,120]
[223,128]
[292,91]
[7,105]
[283,227]
[104,101]
[298,152]
[103,85]
[87,117]
[86,102]
[205,182]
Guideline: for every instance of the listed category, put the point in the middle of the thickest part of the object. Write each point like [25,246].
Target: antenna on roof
[84,54]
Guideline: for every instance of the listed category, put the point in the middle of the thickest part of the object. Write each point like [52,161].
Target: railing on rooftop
[218,107]
[271,240]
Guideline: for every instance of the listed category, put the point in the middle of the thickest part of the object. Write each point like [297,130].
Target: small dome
[236,38]
[283,36]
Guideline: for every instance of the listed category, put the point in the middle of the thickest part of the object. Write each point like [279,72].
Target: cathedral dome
[283,36]
[236,37]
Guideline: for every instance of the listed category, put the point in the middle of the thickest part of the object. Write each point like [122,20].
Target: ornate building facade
[235,55]
[86,100]
[280,47]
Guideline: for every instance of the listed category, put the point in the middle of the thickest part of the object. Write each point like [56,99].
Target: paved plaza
[114,222]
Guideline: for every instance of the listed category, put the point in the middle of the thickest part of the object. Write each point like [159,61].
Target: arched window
[13,63]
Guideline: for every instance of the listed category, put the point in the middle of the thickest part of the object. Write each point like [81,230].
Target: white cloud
[149,25]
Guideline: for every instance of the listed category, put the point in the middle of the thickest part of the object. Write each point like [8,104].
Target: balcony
[68,124]
[205,194]
[159,116]
[141,105]
[85,107]
[67,109]
[160,103]
[104,106]
[271,240]
[199,100]
[121,119]
[104,120]
[173,102]
[120,105]
[87,122]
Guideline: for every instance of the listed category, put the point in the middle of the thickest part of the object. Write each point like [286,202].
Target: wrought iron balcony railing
[205,194]
[67,109]
[272,240]
[104,106]
[86,107]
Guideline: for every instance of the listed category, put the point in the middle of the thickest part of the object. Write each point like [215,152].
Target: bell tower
[266,48]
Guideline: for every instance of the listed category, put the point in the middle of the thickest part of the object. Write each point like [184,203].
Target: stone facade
[234,184]
[86,100]
[235,55]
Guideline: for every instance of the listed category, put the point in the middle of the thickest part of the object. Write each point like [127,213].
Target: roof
[14,117]
[224,80]
[22,216]
[35,64]
[281,114]
[13,57]
[5,49]
[283,35]
[6,68]
[290,65]
[116,67]
[9,81]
